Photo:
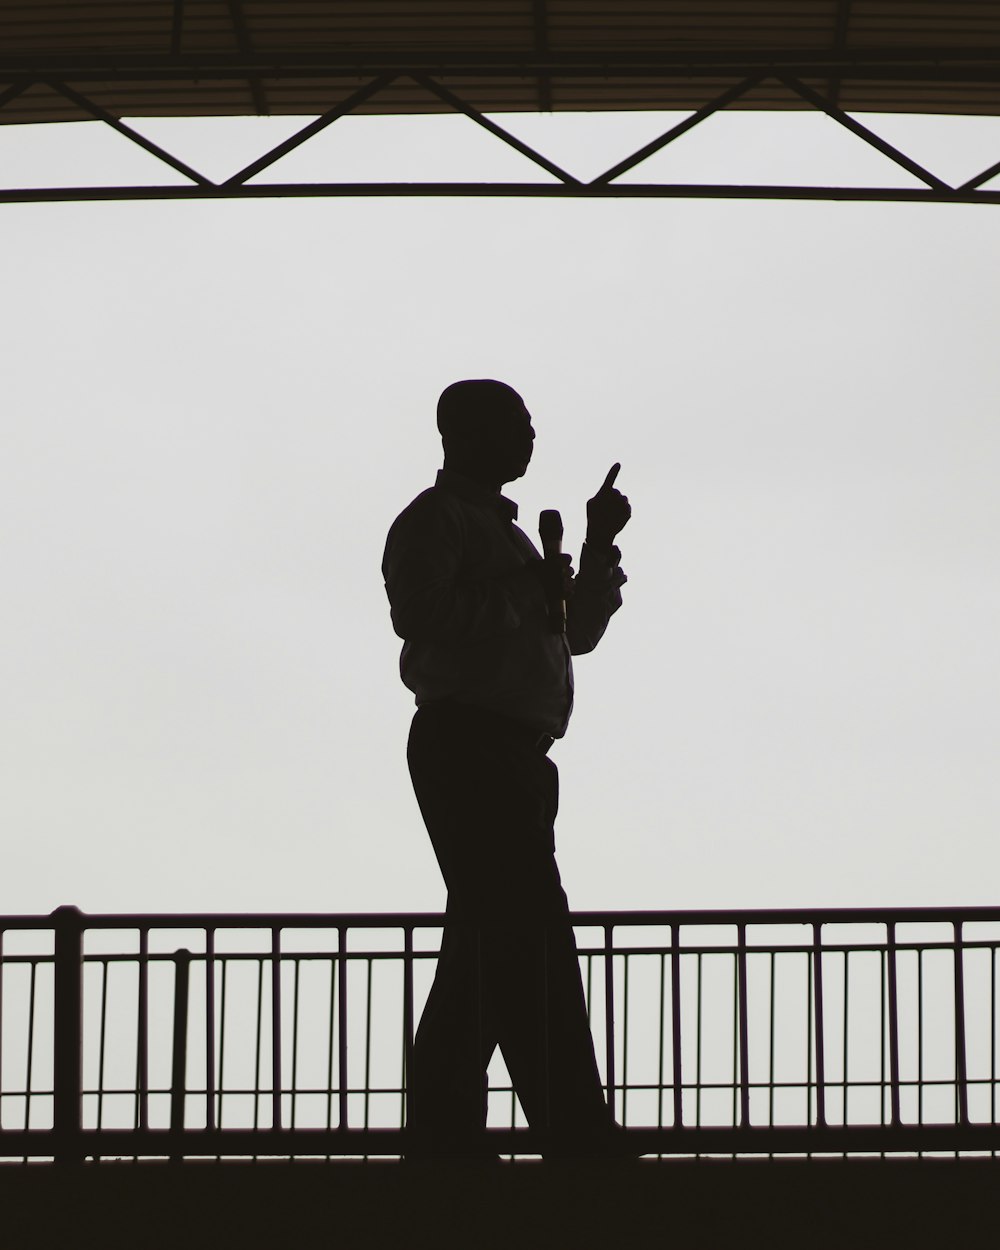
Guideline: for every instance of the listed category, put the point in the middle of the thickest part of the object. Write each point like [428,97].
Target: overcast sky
[213,412]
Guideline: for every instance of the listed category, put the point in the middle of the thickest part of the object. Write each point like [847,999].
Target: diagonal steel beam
[314,127]
[855,127]
[14,91]
[102,115]
[460,106]
[675,132]
[979,179]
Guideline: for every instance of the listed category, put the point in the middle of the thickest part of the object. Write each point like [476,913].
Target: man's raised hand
[608,512]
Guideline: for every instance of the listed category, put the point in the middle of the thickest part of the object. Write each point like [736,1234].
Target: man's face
[509,442]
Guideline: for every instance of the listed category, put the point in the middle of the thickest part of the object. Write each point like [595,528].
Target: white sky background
[214,411]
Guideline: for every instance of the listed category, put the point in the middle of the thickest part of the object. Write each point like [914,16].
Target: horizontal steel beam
[501,190]
[966,914]
[874,1138]
[911,64]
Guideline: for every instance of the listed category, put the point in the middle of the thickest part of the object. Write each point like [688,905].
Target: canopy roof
[230,57]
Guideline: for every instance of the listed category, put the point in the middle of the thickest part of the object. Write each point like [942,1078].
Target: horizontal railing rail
[839,1030]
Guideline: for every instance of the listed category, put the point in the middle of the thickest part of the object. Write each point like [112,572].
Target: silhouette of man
[493,682]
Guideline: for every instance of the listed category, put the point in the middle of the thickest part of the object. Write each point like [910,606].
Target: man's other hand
[608,512]
[554,576]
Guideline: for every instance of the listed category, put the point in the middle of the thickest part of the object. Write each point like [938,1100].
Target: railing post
[142,1036]
[675,1023]
[276,1028]
[407,1021]
[893,1026]
[210,1027]
[67,1053]
[342,1103]
[818,1025]
[609,1012]
[961,1064]
[178,1075]
[744,1029]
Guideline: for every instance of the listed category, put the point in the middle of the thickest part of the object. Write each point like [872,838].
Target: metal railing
[765,1032]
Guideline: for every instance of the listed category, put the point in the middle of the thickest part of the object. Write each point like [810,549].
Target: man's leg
[447,1086]
[509,968]
[536,989]
[452,1047]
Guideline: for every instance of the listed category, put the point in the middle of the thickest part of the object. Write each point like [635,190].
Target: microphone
[550,530]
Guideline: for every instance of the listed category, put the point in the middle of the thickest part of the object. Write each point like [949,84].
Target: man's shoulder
[430,507]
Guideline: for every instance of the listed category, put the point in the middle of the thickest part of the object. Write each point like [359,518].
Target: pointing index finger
[609,481]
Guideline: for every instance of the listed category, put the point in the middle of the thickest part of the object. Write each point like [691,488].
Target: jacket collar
[475,492]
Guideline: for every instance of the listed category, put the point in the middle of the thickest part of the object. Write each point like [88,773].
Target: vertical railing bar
[67,1057]
[101,1043]
[844,1055]
[993,1039]
[744,1028]
[276,1117]
[734,1115]
[210,1120]
[29,1057]
[892,956]
[257,1092]
[368,1038]
[883,981]
[625,1011]
[223,994]
[178,1067]
[961,1057]
[331,1031]
[609,1014]
[920,1039]
[296,970]
[818,1024]
[142,1036]
[810,1029]
[342,1028]
[407,1019]
[697,1056]
[2,968]
[662,1029]
[590,986]
[675,1023]
[770,1044]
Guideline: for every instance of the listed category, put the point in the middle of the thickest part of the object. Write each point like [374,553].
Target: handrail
[794,1042]
[386,920]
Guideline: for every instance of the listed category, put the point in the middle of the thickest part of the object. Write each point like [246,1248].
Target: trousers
[508,973]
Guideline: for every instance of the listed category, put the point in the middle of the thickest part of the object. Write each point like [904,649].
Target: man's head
[486,430]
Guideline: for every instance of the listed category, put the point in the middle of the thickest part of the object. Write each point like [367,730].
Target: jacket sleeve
[596,598]
[431,597]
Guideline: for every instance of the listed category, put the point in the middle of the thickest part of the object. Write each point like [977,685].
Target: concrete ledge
[853,1204]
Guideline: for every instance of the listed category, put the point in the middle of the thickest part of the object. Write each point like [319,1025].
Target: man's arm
[597,589]
[431,600]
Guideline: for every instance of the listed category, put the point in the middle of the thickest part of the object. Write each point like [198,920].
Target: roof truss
[607,184]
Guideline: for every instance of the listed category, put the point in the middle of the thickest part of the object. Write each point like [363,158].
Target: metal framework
[561,184]
[753,1032]
[485,58]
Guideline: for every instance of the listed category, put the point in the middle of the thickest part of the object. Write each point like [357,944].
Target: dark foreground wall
[835,1204]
